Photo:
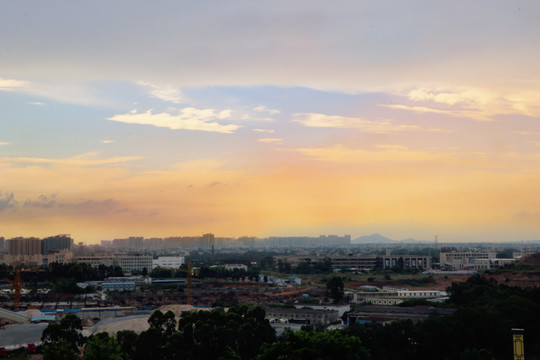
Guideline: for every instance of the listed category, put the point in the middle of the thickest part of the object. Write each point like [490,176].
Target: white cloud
[269,131]
[262,108]
[3,143]
[271,140]
[11,84]
[468,96]
[336,121]
[247,117]
[471,114]
[106,141]
[186,119]
[164,92]
[37,103]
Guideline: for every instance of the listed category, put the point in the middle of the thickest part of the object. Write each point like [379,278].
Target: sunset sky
[279,118]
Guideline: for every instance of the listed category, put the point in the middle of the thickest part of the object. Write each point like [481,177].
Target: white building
[466,260]
[235,266]
[128,263]
[169,262]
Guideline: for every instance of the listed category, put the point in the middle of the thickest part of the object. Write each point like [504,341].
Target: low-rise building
[128,263]
[168,262]
[235,267]
[467,260]
[301,316]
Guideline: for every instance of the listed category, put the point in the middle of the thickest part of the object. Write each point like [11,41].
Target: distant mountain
[374,239]
[411,241]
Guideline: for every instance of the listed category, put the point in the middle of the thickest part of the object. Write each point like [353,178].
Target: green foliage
[210,334]
[127,340]
[103,347]
[64,285]
[60,349]
[303,344]
[61,340]
[161,273]
[335,287]
[323,267]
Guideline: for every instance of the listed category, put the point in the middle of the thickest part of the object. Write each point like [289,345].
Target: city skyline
[282,119]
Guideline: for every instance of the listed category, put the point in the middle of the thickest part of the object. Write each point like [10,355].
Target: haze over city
[408,119]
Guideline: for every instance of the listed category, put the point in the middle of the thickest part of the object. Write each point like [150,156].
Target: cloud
[82,207]
[269,131]
[526,133]
[247,117]
[3,143]
[392,147]
[391,154]
[186,119]
[83,160]
[166,93]
[335,121]
[271,140]
[37,103]
[474,103]
[7,201]
[106,141]
[262,108]
[471,114]
[468,96]
[12,84]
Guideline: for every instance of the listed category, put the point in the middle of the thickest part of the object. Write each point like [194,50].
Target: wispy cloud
[3,143]
[390,154]
[166,93]
[7,201]
[262,108]
[12,84]
[81,207]
[271,140]
[186,119]
[269,131]
[471,114]
[472,103]
[336,121]
[526,133]
[392,147]
[248,117]
[107,141]
[84,160]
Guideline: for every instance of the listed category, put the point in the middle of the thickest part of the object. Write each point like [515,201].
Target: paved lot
[21,334]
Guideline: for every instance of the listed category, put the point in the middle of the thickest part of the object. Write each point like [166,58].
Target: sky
[281,118]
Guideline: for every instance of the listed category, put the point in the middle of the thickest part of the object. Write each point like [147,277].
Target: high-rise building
[24,250]
[54,243]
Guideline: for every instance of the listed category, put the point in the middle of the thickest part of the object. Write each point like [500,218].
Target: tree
[240,333]
[335,287]
[103,347]
[127,340]
[62,340]
[60,349]
[299,345]
[165,323]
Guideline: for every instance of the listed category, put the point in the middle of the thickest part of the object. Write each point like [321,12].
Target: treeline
[205,272]
[479,329]
[63,278]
